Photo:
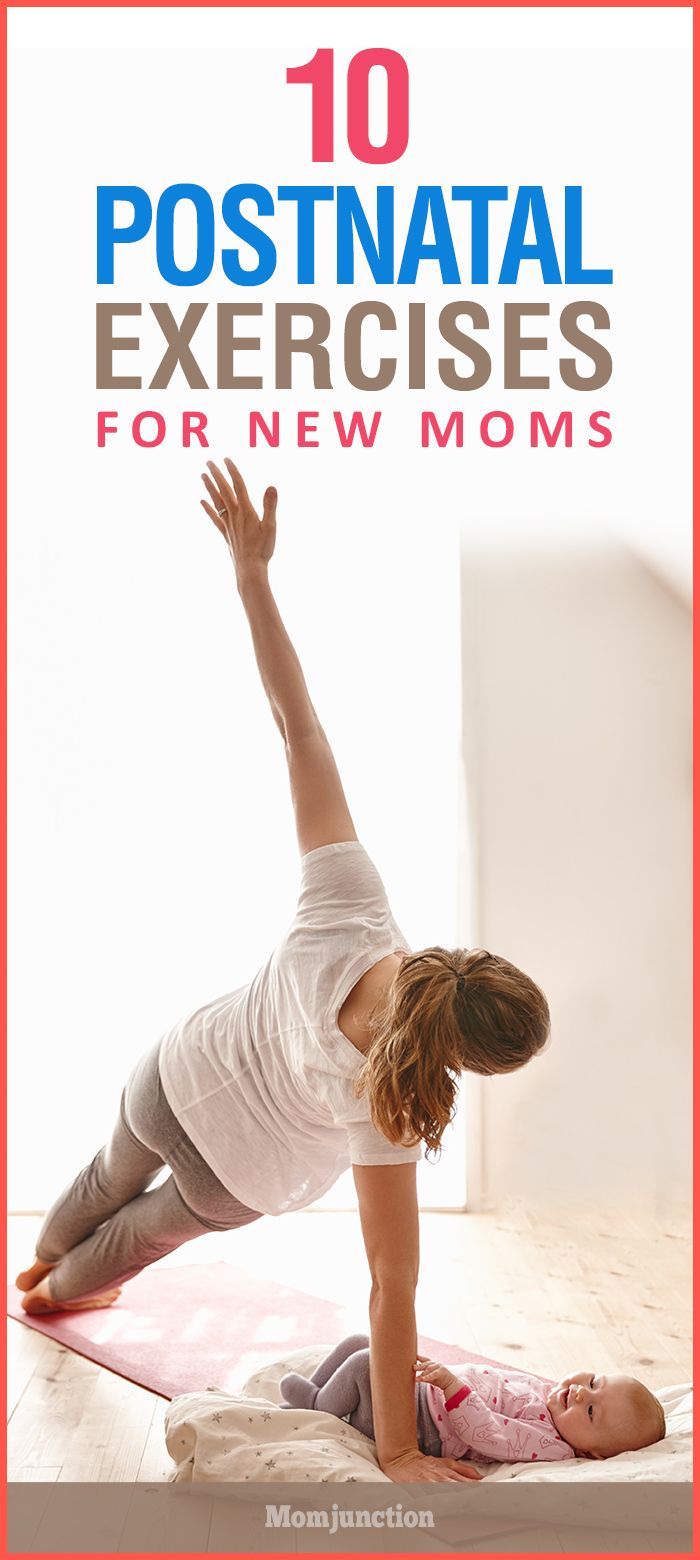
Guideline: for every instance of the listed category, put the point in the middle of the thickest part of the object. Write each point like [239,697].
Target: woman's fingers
[239,485]
[226,492]
[253,539]
[213,515]
[269,523]
[213,492]
[419,1466]
[450,1469]
[461,1470]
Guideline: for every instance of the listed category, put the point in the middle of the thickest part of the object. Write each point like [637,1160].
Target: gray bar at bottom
[250,1518]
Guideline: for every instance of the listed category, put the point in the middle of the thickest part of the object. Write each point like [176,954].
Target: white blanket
[219,1437]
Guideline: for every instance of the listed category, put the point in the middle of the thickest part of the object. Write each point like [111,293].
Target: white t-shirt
[261,1079]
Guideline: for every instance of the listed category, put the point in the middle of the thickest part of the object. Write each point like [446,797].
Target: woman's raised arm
[321,811]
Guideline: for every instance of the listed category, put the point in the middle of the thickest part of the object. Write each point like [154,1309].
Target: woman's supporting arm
[389,1215]
[393,1340]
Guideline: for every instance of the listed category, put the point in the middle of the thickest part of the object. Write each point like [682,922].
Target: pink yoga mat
[183,1329]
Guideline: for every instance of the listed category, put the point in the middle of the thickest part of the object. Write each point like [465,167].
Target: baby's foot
[39,1300]
[33,1275]
[298,1392]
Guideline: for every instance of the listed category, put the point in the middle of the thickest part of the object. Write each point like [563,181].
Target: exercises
[344,1049]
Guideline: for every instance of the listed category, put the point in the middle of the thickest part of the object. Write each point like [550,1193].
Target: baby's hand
[437,1375]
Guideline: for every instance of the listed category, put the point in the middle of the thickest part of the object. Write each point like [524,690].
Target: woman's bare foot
[31,1276]
[39,1300]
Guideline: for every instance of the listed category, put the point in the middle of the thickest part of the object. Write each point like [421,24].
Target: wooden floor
[552,1293]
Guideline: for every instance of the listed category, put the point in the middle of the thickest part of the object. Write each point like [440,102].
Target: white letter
[277,1516]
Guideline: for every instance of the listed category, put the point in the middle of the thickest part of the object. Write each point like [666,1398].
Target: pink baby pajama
[498,1416]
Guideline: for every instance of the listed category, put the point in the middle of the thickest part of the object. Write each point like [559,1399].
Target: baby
[488,1412]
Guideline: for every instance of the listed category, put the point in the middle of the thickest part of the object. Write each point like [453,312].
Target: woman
[344,1049]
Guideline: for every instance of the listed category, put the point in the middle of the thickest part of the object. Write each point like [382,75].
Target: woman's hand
[437,1375]
[251,541]
[415,1467]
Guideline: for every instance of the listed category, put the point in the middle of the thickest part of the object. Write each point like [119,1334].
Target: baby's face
[597,1415]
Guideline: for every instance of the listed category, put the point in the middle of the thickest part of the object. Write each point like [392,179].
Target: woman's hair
[446,1011]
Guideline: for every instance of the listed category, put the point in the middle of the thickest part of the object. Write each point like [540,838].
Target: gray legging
[106,1226]
[341,1385]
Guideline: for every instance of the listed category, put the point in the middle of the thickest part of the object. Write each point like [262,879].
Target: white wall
[153,860]
[576,672]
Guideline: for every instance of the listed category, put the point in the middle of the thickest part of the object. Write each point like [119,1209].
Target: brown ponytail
[446,1012]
